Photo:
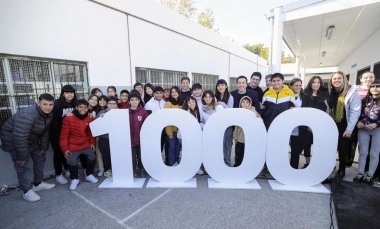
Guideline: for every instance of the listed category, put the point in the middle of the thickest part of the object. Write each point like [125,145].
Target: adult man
[26,134]
[254,85]
[268,82]
[185,88]
[242,91]
[276,100]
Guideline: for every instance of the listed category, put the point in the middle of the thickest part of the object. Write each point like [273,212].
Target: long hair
[194,112]
[295,80]
[369,96]
[113,88]
[179,100]
[97,107]
[226,95]
[209,92]
[345,85]
[321,93]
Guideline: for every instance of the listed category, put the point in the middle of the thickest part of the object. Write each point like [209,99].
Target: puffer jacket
[76,134]
[136,120]
[26,131]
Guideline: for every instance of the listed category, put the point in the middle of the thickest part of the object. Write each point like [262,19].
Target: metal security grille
[207,81]
[24,79]
[157,77]
[232,86]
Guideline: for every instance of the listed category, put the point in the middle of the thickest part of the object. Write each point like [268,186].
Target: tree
[184,7]
[256,49]
[206,18]
[263,52]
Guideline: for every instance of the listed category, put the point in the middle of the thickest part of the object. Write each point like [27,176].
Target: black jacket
[26,131]
[250,93]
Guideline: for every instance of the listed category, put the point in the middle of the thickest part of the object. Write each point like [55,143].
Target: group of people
[65,123]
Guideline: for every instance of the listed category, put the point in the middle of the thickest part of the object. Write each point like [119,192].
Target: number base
[319,188]
[152,183]
[108,183]
[250,185]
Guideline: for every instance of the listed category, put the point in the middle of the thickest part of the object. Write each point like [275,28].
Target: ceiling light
[329,31]
[323,53]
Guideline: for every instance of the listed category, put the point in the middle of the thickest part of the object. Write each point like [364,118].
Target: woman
[148,92]
[174,101]
[209,106]
[315,97]
[296,141]
[366,79]
[224,98]
[345,106]
[368,126]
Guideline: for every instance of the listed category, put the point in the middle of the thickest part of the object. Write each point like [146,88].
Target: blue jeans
[38,159]
[174,148]
[227,145]
[364,137]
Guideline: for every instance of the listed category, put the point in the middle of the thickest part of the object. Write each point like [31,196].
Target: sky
[242,21]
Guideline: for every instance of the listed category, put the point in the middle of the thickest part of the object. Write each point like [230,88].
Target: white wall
[365,55]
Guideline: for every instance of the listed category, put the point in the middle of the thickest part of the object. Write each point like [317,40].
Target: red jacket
[136,120]
[122,105]
[76,134]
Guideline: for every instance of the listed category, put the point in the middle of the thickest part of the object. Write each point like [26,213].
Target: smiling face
[93,101]
[174,94]
[242,84]
[197,92]
[296,87]
[124,97]
[191,104]
[69,96]
[255,80]
[112,105]
[221,88]
[245,104]
[82,109]
[208,99]
[134,102]
[375,90]
[268,82]
[367,79]
[102,103]
[158,95]
[337,80]
[111,92]
[185,84]
[149,91]
[140,89]
[46,106]
[277,84]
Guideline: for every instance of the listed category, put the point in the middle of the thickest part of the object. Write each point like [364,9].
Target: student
[103,102]
[197,93]
[93,109]
[276,100]
[254,85]
[62,106]
[224,98]
[111,91]
[76,139]
[345,106]
[148,92]
[124,104]
[238,134]
[29,128]
[104,143]
[366,79]
[166,94]
[368,125]
[93,105]
[175,101]
[315,97]
[96,91]
[137,116]
[185,87]
[139,87]
[242,91]
[209,106]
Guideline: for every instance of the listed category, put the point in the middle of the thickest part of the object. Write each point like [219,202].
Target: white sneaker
[61,179]
[43,186]
[108,173]
[31,196]
[200,172]
[100,173]
[91,178]
[74,184]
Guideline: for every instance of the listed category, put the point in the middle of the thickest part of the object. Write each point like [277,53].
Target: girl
[103,102]
[345,106]
[296,142]
[209,106]
[148,92]
[368,126]
[96,91]
[174,101]
[62,106]
[366,79]
[166,94]
[224,98]
[315,97]
[111,91]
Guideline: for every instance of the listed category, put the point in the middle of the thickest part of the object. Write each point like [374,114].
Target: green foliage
[206,18]
[263,52]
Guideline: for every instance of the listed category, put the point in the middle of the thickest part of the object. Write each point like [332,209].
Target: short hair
[81,102]
[112,98]
[158,88]
[137,84]
[103,97]
[268,76]
[124,91]
[134,95]
[196,86]
[241,77]
[185,78]
[277,75]
[256,74]
[46,96]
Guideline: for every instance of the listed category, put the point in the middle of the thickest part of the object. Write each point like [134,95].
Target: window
[376,71]
[157,77]
[360,72]
[24,79]
[348,77]
[232,86]
[207,81]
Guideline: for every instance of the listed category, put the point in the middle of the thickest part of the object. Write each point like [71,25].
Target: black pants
[308,141]
[136,158]
[104,147]
[72,162]
[343,148]
[239,153]
[296,145]
[59,158]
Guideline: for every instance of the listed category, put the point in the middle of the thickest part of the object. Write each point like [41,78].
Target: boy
[185,87]
[157,102]
[197,94]
[104,143]
[137,116]
[245,103]
[76,139]
[123,99]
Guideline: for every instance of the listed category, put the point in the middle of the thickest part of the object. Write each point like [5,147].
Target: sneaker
[43,186]
[91,178]
[67,173]
[100,173]
[61,179]
[200,172]
[31,196]
[74,184]
[359,178]
[108,173]
[368,180]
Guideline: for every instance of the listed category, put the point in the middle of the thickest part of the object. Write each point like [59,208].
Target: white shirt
[154,104]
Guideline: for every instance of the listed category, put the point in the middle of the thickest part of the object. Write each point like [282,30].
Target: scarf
[207,109]
[81,117]
[337,105]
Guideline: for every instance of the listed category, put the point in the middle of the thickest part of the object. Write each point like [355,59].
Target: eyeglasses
[113,104]
[375,86]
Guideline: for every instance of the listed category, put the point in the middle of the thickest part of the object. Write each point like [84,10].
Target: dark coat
[26,131]
[136,120]
[250,93]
